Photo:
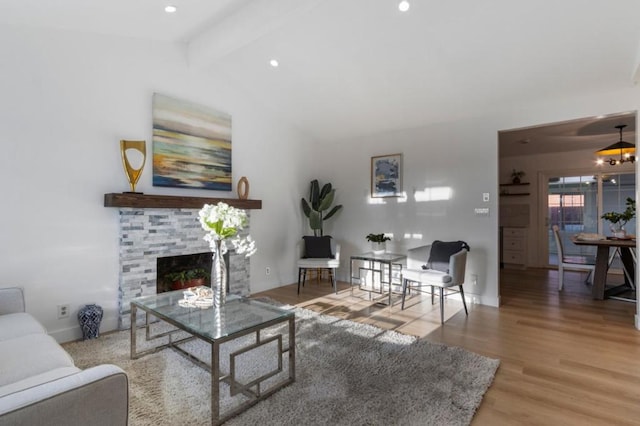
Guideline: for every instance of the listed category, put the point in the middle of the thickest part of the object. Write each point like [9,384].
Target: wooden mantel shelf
[173,202]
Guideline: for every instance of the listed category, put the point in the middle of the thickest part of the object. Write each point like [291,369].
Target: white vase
[618,230]
[378,248]
[219,276]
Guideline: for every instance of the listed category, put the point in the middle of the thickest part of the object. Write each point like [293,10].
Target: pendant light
[625,150]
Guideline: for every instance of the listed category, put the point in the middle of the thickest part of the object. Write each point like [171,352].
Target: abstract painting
[386,176]
[191,145]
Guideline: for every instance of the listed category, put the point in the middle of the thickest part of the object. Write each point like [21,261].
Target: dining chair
[584,263]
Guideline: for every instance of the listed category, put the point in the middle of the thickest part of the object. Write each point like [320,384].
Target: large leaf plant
[320,200]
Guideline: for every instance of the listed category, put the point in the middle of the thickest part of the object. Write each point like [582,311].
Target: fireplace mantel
[172,201]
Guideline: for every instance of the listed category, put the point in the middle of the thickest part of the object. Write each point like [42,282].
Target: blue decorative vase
[89,318]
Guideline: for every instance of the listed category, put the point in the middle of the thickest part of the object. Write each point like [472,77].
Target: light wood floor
[565,359]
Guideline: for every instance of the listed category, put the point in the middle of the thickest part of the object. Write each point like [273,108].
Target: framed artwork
[191,145]
[386,175]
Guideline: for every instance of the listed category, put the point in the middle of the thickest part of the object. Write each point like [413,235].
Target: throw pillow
[317,247]
[441,252]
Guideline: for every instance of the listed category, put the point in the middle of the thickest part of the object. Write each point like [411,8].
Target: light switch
[485,197]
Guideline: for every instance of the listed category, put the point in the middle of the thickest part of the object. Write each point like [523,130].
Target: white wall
[462,155]
[67,100]
[462,158]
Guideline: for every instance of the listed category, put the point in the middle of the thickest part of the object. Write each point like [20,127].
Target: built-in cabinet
[514,247]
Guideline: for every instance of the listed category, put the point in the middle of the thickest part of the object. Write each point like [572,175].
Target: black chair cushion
[317,247]
[441,251]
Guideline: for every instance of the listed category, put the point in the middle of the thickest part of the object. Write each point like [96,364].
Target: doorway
[566,185]
[576,205]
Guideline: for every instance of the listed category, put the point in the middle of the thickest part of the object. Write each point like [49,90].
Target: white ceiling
[589,133]
[355,67]
[145,19]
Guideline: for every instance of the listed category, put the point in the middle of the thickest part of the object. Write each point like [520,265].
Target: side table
[386,266]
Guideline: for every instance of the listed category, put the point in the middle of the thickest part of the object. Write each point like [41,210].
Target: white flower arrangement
[223,222]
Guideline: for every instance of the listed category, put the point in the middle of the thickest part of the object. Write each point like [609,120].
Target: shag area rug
[347,373]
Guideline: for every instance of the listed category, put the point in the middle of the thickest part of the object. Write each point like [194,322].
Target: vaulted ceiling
[354,67]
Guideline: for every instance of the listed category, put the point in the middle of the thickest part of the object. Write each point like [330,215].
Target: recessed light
[170,9]
[274,63]
[403,6]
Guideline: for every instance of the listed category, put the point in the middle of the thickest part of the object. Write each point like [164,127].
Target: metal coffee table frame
[251,390]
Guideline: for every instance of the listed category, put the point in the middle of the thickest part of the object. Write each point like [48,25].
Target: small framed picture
[386,176]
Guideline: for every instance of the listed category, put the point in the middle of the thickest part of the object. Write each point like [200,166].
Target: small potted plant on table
[378,242]
[618,220]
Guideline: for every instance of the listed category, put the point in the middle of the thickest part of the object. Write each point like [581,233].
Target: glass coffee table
[237,318]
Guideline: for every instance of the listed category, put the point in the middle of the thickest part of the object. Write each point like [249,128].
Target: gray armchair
[415,277]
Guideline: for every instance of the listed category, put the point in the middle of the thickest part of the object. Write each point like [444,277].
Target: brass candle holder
[133,174]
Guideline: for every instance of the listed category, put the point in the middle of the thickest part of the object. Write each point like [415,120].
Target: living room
[73,87]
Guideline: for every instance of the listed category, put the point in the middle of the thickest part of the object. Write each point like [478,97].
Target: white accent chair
[416,277]
[584,263]
[315,263]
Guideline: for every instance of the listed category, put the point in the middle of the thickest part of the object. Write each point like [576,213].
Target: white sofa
[39,383]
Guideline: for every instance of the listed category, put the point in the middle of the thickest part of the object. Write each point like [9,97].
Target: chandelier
[625,150]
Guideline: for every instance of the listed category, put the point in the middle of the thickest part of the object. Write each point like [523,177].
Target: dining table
[625,245]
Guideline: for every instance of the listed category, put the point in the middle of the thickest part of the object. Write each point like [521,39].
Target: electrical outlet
[63,311]
[267,270]
[474,279]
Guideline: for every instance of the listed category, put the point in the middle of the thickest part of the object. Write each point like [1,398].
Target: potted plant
[320,200]
[618,220]
[378,242]
[516,176]
[187,278]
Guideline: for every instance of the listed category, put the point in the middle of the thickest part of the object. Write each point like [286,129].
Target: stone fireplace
[186,270]
[147,234]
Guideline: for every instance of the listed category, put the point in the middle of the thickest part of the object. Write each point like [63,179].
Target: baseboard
[482,300]
[75,333]
[66,334]
[474,299]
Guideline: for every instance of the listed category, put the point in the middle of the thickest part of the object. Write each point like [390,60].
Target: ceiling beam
[254,21]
